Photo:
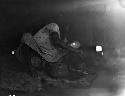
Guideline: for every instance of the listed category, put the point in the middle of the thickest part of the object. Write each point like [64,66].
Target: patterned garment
[41,43]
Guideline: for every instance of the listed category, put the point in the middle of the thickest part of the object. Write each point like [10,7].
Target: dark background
[76,19]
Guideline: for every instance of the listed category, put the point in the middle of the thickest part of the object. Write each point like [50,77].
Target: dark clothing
[54,38]
[24,54]
[58,43]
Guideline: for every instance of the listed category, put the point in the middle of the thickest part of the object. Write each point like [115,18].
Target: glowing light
[102,53]
[12,52]
[98,48]
[12,95]
[74,44]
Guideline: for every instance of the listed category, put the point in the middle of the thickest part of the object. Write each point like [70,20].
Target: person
[46,42]
[43,45]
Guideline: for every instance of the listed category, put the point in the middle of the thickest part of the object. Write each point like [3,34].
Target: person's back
[41,42]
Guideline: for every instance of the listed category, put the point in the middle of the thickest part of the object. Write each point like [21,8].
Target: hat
[53,27]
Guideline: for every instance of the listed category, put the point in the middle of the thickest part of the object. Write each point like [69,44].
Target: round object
[75,44]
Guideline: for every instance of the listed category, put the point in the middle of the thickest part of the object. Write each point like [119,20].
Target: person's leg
[30,59]
[22,56]
[36,63]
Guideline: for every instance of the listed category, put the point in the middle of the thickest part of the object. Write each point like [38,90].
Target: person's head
[53,27]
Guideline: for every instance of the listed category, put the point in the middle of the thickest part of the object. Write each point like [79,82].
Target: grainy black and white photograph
[62,47]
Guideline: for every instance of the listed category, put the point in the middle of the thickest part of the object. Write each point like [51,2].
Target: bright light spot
[98,48]
[102,53]
[74,44]
[115,13]
[12,52]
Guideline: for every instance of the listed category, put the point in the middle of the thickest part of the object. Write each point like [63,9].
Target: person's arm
[57,42]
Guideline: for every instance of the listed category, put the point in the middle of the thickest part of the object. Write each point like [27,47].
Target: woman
[43,46]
